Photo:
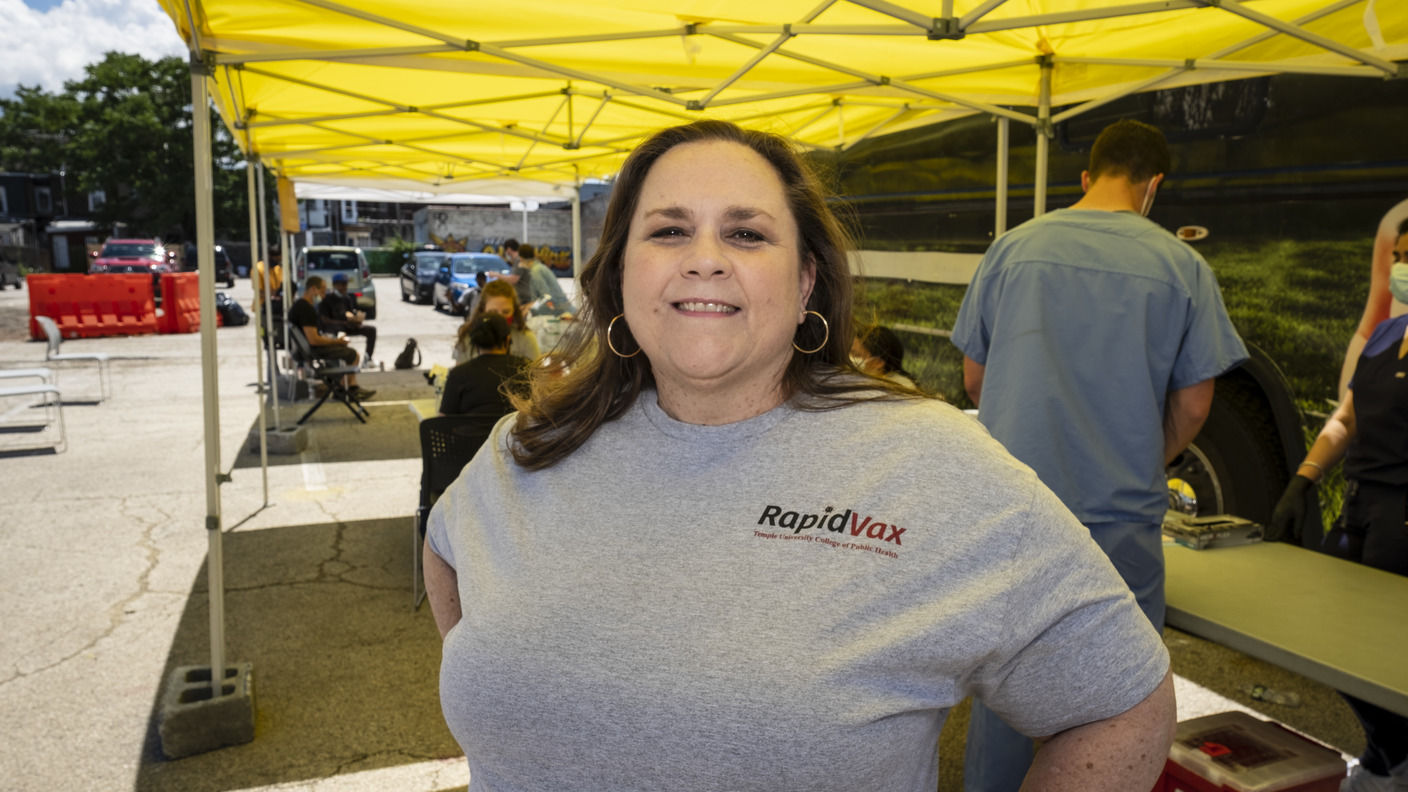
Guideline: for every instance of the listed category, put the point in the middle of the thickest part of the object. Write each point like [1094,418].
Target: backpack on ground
[231,312]
[410,356]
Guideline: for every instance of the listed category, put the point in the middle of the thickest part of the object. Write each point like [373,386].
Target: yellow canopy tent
[448,97]
[448,93]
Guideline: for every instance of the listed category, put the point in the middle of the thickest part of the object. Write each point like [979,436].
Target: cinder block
[285,440]
[192,722]
[282,440]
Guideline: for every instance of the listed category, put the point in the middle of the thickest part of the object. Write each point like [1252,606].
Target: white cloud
[49,47]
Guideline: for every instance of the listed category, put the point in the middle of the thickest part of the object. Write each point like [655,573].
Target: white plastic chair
[52,354]
[45,376]
[51,399]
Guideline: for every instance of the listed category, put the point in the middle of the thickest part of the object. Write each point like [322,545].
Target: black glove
[1286,518]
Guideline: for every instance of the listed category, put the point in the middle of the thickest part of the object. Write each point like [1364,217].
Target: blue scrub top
[1085,320]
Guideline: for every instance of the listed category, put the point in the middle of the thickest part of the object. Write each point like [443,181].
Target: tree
[33,130]
[125,129]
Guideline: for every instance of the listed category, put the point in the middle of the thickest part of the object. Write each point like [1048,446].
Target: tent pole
[268,297]
[210,381]
[258,324]
[1043,138]
[1004,136]
[287,286]
[577,230]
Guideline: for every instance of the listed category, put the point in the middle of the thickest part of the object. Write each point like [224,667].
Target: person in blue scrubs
[1373,525]
[1091,337]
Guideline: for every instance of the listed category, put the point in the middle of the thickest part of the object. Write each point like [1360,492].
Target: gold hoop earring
[825,326]
[612,346]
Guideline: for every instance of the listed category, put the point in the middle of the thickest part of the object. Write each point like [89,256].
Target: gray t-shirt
[791,602]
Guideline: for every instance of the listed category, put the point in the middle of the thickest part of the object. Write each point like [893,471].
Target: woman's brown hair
[585,385]
[494,288]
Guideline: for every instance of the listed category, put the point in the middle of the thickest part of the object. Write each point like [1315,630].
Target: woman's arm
[1332,442]
[442,589]
[1118,754]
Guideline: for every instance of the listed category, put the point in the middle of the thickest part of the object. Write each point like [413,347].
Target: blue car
[457,277]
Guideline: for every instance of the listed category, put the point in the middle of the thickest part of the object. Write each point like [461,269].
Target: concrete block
[192,722]
[283,440]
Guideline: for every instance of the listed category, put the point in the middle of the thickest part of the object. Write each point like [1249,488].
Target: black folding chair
[327,371]
[447,443]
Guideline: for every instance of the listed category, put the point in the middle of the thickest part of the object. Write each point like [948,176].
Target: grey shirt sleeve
[1068,634]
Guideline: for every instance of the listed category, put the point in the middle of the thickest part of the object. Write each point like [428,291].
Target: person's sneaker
[1361,780]
[361,394]
[369,365]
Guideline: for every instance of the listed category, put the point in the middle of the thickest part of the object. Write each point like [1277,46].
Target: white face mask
[858,362]
[1398,281]
[1148,199]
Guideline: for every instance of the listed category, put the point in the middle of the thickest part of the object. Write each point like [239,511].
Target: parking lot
[102,553]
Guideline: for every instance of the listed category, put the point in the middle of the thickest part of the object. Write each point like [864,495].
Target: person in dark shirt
[476,386]
[304,315]
[339,314]
[1369,432]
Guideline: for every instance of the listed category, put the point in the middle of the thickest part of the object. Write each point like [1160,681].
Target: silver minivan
[326,261]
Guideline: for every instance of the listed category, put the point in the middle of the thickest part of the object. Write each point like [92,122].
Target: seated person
[878,352]
[338,313]
[548,299]
[498,297]
[476,386]
[469,301]
[304,316]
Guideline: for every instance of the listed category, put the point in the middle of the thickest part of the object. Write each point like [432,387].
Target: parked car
[456,276]
[224,269]
[135,255]
[326,261]
[9,273]
[419,272]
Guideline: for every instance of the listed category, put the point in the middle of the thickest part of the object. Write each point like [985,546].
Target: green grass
[934,362]
[1298,300]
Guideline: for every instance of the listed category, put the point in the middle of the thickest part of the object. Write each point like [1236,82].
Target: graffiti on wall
[449,244]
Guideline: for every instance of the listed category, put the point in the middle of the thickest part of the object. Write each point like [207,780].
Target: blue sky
[46,42]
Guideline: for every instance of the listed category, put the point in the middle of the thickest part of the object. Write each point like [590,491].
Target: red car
[134,255]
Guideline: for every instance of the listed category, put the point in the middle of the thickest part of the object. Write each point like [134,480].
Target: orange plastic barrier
[87,306]
[180,303]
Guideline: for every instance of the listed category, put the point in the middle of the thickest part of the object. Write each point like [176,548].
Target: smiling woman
[712,290]
[657,558]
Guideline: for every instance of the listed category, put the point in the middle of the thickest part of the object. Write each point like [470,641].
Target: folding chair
[51,353]
[447,443]
[46,376]
[325,370]
[50,397]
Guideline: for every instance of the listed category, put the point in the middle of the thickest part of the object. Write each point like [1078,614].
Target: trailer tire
[1233,465]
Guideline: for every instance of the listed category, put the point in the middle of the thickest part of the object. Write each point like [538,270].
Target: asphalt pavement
[103,583]
[102,568]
